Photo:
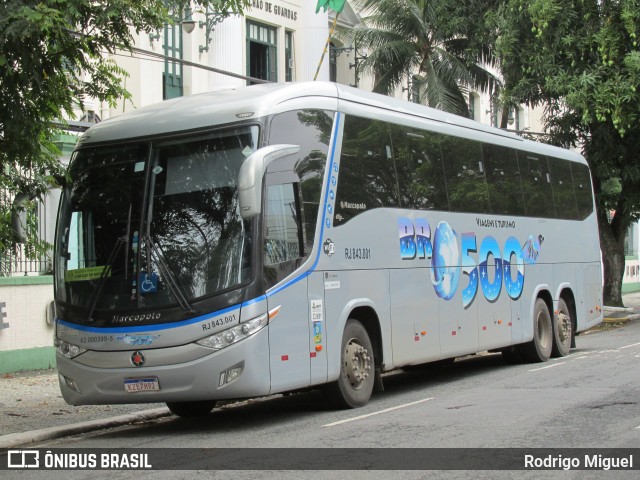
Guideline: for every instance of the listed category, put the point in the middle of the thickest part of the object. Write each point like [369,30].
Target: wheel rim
[564,327]
[357,363]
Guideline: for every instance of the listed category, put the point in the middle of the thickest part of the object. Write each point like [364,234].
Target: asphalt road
[589,399]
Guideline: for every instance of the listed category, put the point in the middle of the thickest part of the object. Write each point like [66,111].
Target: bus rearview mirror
[251,174]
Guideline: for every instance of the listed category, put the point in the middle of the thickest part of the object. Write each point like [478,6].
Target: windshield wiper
[172,281]
[95,295]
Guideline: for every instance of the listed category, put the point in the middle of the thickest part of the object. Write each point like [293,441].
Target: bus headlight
[67,349]
[235,334]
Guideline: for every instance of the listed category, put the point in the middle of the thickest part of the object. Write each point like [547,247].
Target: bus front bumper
[237,371]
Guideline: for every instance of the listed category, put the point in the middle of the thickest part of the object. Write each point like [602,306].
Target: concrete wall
[26,338]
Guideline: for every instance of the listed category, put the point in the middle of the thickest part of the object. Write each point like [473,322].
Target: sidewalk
[615,315]
[32,409]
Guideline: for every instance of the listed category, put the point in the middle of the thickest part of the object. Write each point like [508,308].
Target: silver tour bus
[272,238]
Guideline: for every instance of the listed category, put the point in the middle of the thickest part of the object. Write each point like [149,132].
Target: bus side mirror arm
[251,174]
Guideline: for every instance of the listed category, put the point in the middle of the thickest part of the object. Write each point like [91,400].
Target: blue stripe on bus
[147,328]
[255,300]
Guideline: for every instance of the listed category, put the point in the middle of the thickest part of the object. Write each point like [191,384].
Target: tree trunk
[612,246]
[504,118]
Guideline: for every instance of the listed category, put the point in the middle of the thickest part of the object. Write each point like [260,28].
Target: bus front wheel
[191,409]
[357,369]
[539,349]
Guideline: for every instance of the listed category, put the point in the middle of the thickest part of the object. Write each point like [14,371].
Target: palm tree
[433,42]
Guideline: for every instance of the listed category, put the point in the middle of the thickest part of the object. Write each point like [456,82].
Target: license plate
[141,384]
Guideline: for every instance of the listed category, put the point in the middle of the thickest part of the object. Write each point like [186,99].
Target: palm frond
[411,37]
[439,92]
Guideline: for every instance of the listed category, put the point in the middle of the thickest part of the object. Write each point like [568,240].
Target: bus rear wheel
[539,349]
[562,331]
[357,372]
[191,409]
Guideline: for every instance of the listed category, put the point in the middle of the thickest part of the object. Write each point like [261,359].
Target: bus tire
[191,409]
[562,331]
[539,349]
[357,369]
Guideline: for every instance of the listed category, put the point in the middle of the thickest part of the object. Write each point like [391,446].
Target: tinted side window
[562,188]
[503,180]
[582,189]
[281,228]
[311,129]
[464,171]
[536,185]
[367,174]
[418,163]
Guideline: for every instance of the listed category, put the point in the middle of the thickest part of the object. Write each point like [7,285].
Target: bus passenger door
[289,338]
[289,330]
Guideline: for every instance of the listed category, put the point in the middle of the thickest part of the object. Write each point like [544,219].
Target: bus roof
[231,105]
[203,110]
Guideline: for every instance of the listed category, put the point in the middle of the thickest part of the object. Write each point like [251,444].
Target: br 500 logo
[449,260]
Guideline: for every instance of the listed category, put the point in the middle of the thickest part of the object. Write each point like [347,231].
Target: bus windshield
[155,223]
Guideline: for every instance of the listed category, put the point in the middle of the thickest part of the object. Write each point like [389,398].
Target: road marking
[548,366]
[629,346]
[378,412]
[579,355]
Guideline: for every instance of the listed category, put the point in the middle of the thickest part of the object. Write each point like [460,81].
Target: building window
[288,56]
[333,63]
[261,51]
[474,106]
[495,111]
[90,116]
[414,92]
[172,76]
[520,118]
[630,246]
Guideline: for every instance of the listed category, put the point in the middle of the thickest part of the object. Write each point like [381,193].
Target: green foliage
[52,57]
[447,44]
[581,60]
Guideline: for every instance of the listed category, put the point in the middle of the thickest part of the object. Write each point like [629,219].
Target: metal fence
[19,262]
[20,259]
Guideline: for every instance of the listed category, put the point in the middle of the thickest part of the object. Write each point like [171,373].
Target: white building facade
[275,41]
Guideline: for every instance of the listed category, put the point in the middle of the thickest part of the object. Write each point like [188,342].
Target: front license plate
[141,384]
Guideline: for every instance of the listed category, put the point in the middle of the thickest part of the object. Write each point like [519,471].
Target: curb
[16,439]
[617,309]
[625,318]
